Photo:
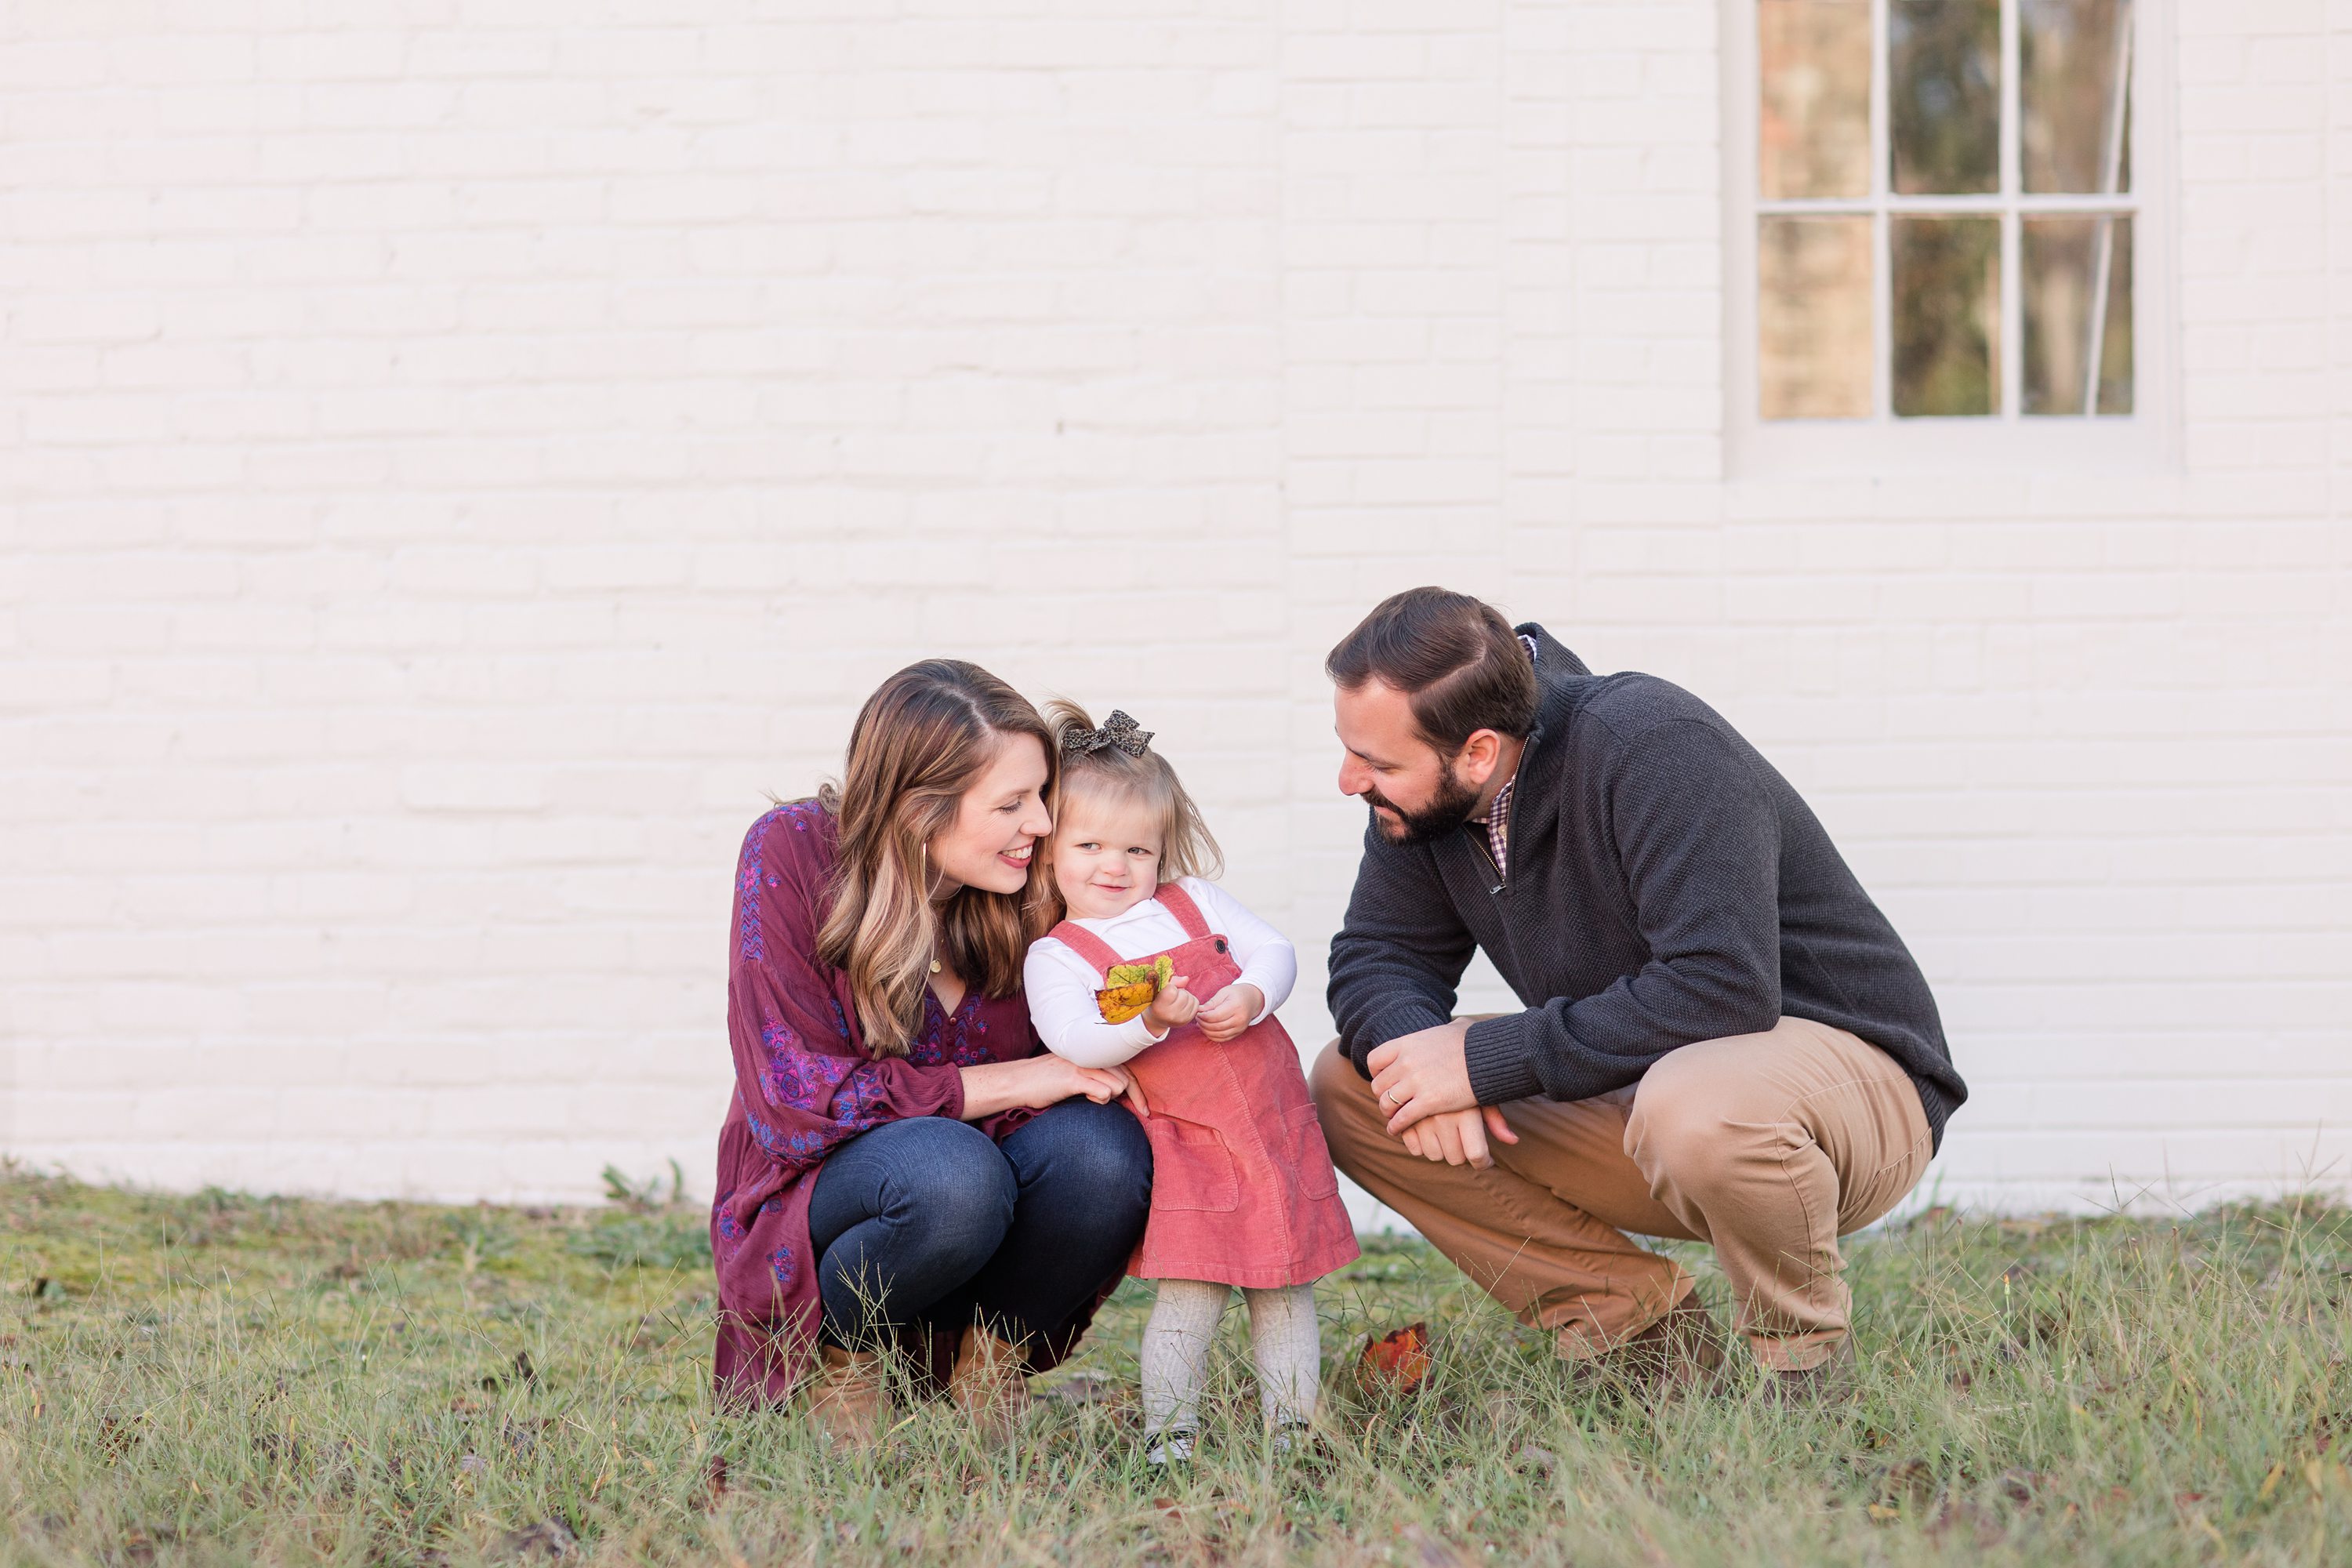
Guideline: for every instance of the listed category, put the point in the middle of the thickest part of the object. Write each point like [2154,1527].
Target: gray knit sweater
[1666,885]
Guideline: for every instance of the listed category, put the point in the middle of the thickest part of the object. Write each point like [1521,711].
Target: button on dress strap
[1177,903]
[1086,945]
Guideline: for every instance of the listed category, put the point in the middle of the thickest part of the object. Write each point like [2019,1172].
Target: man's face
[1415,793]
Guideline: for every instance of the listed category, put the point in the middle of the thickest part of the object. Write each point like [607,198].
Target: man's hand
[1459,1137]
[1422,1074]
[1228,1012]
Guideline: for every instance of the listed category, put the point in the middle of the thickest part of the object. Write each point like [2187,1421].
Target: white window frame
[2143,440]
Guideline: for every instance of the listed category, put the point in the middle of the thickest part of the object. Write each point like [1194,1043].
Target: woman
[901,1164]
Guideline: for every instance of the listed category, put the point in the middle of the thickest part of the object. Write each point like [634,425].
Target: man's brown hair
[1455,657]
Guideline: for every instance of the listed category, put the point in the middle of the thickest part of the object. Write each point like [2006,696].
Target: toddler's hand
[1173,1008]
[1229,1012]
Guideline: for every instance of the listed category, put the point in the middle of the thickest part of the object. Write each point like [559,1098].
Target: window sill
[2124,445]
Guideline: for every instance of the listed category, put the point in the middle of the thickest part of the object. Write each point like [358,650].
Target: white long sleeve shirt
[1061,985]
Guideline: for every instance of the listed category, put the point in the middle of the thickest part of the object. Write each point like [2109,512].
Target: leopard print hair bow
[1119,731]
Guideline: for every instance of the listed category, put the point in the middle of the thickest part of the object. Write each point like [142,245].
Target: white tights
[1283,1336]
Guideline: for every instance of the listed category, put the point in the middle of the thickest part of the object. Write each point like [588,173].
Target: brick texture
[456,455]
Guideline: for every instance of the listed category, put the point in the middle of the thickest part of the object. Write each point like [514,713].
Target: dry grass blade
[223,1379]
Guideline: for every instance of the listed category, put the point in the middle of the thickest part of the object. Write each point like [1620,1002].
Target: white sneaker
[1169,1448]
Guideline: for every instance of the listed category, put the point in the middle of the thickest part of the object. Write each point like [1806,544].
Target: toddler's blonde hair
[1186,846]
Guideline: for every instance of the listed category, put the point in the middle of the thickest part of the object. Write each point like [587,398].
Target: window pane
[1814,140]
[1812,318]
[1947,314]
[2078,286]
[1943,90]
[2074,84]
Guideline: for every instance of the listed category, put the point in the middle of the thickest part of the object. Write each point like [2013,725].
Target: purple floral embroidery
[751,873]
[840,1018]
[780,1264]
[730,1229]
[779,1037]
[765,1136]
[796,1077]
[971,1050]
[751,941]
[950,1036]
[857,1102]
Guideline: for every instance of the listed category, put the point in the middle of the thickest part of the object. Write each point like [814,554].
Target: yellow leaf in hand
[1129,988]
[1120,1003]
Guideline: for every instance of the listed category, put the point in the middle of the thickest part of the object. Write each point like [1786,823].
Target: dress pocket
[1191,1169]
[1310,1155]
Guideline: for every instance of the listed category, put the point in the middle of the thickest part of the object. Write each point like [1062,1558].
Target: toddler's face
[1106,857]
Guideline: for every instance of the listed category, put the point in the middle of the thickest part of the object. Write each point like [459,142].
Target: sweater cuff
[1405,1018]
[1500,1057]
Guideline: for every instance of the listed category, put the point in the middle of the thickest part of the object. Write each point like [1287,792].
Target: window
[1941,235]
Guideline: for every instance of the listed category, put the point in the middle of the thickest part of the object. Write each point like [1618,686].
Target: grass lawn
[232,1379]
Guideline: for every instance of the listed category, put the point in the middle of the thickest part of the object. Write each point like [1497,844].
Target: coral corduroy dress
[1243,1192]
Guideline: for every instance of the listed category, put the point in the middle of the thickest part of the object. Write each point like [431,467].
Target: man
[1723,1038]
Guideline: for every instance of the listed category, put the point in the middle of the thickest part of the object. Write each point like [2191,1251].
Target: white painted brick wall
[456,454]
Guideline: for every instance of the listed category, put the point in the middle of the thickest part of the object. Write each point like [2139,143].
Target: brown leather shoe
[1831,1383]
[1682,1353]
[849,1397]
[991,1386]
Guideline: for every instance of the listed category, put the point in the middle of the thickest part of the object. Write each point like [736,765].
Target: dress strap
[1086,945]
[1177,903]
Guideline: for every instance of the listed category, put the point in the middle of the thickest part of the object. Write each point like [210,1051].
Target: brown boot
[849,1397]
[991,1386]
[1831,1383]
[1682,1353]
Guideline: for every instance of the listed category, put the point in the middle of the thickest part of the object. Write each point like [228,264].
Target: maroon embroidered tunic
[804,1085]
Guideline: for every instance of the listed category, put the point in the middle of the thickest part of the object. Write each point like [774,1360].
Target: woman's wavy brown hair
[919,742]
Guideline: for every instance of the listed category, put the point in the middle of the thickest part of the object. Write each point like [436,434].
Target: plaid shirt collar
[1497,823]
[1497,820]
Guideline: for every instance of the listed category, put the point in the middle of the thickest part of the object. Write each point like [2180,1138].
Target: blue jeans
[930,1221]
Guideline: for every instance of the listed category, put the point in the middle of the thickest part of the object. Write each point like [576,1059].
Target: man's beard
[1445,814]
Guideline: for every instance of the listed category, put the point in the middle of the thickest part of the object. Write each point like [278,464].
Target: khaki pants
[1768,1146]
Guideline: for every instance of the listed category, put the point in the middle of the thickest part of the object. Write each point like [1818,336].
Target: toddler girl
[1243,1192]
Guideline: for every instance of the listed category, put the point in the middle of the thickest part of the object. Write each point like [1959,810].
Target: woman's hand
[1032,1083]
[1224,1016]
[1173,1008]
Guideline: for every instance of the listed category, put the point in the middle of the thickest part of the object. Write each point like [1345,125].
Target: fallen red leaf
[1397,1361]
